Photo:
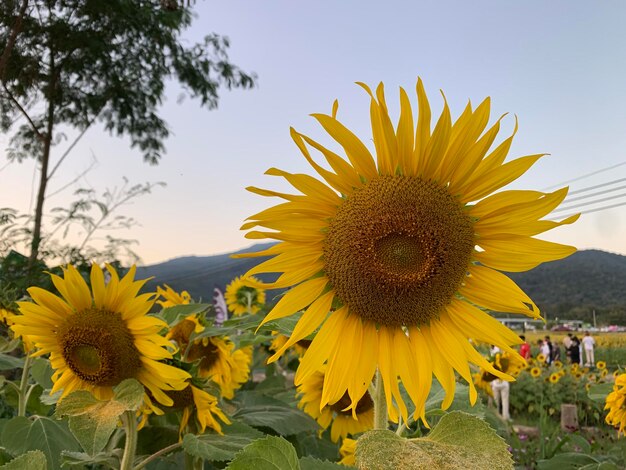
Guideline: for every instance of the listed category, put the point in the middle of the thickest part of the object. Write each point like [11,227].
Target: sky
[559,66]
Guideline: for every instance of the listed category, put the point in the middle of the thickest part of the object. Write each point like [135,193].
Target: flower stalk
[24,391]
[130,426]
[381,418]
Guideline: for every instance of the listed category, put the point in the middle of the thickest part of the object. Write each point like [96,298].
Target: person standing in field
[524,349]
[567,343]
[574,350]
[588,344]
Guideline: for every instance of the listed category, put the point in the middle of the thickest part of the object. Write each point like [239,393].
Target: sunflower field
[389,262]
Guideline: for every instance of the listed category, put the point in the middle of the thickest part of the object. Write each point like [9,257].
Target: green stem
[156,455]
[130,426]
[23,394]
[381,419]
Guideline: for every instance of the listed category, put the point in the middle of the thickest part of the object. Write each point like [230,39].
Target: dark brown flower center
[98,347]
[181,332]
[364,404]
[182,398]
[398,249]
[208,354]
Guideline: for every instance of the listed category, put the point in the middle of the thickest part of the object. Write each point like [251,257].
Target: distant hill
[571,288]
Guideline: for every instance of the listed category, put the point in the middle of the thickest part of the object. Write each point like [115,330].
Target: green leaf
[93,421]
[284,325]
[173,315]
[309,444]
[80,459]
[268,453]
[598,392]
[262,411]
[461,401]
[220,448]
[310,463]
[8,362]
[32,460]
[459,440]
[566,461]
[21,435]
[41,371]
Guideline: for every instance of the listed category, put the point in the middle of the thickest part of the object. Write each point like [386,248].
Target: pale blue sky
[560,66]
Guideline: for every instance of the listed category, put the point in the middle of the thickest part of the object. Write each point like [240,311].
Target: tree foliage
[71,63]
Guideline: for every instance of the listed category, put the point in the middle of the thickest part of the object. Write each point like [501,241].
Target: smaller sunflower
[344,421]
[601,365]
[347,450]
[541,358]
[482,382]
[98,337]
[557,364]
[171,297]
[242,298]
[616,374]
[604,373]
[554,378]
[575,366]
[616,404]
[577,374]
[535,372]
[280,340]
[221,363]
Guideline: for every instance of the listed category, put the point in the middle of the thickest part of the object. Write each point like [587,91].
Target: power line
[598,193]
[596,209]
[589,188]
[576,206]
[587,175]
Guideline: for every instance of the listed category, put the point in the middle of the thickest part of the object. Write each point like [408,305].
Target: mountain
[571,288]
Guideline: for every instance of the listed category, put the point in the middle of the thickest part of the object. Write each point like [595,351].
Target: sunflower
[192,399]
[345,421]
[347,450]
[483,380]
[242,298]
[279,340]
[578,374]
[575,366]
[601,365]
[557,364]
[220,362]
[100,337]
[397,257]
[535,372]
[181,331]
[554,378]
[604,373]
[616,374]
[541,358]
[616,404]
[171,297]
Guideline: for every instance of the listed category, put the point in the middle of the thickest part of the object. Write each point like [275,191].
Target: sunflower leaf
[172,315]
[598,392]
[93,421]
[311,463]
[266,412]
[459,440]
[32,460]
[21,434]
[8,362]
[80,459]
[268,453]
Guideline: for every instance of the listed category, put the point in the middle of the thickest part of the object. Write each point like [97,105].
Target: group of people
[552,352]
[573,349]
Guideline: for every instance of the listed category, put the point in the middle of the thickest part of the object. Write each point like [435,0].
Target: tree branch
[17,27]
[40,136]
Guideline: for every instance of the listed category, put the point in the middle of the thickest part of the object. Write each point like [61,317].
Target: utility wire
[598,193]
[596,209]
[587,175]
[589,188]
[581,204]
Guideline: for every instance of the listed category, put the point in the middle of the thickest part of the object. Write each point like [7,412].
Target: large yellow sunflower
[100,337]
[397,256]
[221,362]
[344,421]
[616,404]
[242,298]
